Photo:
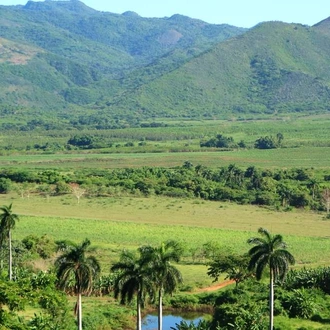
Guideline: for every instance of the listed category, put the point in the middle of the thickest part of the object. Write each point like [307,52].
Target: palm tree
[74,267]
[270,251]
[7,223]
[132,278]
[166,276]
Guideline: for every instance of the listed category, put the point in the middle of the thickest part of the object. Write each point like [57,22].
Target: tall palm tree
[270,251]
[73,266]
[132,278]
[7,223]
[165,276]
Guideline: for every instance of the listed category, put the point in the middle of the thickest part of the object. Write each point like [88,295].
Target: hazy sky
[244,13]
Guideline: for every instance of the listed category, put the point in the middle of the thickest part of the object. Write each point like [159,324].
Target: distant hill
[63,64]
[274,67]
[68,53]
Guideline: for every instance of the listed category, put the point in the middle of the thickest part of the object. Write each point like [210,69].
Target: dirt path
[216,286]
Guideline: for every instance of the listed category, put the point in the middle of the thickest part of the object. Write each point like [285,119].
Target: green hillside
[79,54]
[64,65]
[275,67]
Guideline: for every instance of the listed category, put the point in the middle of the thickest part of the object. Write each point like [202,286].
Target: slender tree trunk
[271,300]
[79,312]
[160,309]
[138,313]
[10,259]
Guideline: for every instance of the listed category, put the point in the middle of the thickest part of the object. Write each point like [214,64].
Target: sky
[242,13]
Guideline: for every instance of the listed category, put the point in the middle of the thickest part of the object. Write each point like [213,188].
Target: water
[150,322]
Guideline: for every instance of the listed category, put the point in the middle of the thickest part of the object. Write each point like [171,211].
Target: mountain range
[63,64]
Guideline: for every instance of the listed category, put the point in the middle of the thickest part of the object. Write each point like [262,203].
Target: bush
[5,185]
[183,325]
[43,246]
[300,303]
[188,302]
[266,142]
[240,316]
[84,141]
[318,278]
[220,141]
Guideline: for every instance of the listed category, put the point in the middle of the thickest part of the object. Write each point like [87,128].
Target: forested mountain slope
[56,53]
[273,67]
[63,64]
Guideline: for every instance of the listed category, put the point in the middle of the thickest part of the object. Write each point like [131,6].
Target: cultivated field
[114,224]
[306,157]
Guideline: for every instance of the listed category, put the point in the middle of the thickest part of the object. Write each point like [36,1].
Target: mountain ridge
[64,59]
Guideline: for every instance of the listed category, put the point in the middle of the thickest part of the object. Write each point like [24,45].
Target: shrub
[183,325]
[300,303]
[5,185]
[184,301]
[220,141]
[43,246]
[266,142]
[84,141]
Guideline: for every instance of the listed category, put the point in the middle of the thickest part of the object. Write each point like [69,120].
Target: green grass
[285,323]
[115,235]
[306,144]
[113,224]
[305,157]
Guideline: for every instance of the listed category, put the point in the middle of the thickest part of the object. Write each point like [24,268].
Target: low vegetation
[302,297]
[280,189]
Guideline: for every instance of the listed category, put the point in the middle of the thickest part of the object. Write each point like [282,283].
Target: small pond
[150,321]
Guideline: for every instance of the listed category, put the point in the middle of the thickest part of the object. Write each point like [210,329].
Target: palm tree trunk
[138,313]
[10,260]
[79,312]
[160,309]
[271,300]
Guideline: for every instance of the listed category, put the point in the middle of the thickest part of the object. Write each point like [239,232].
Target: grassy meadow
[305,157]
[114,224]
[306,144]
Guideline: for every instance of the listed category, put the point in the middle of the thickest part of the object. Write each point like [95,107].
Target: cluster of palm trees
[149,271]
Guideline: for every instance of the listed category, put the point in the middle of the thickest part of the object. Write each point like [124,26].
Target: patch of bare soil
[216,286]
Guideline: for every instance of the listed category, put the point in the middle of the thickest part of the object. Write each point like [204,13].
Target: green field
[305,157]
[306,144]
[113,224]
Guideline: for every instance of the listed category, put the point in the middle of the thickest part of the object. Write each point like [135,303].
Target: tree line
[279,188]
[263,142]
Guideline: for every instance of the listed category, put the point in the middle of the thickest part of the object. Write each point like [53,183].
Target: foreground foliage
[138,278]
